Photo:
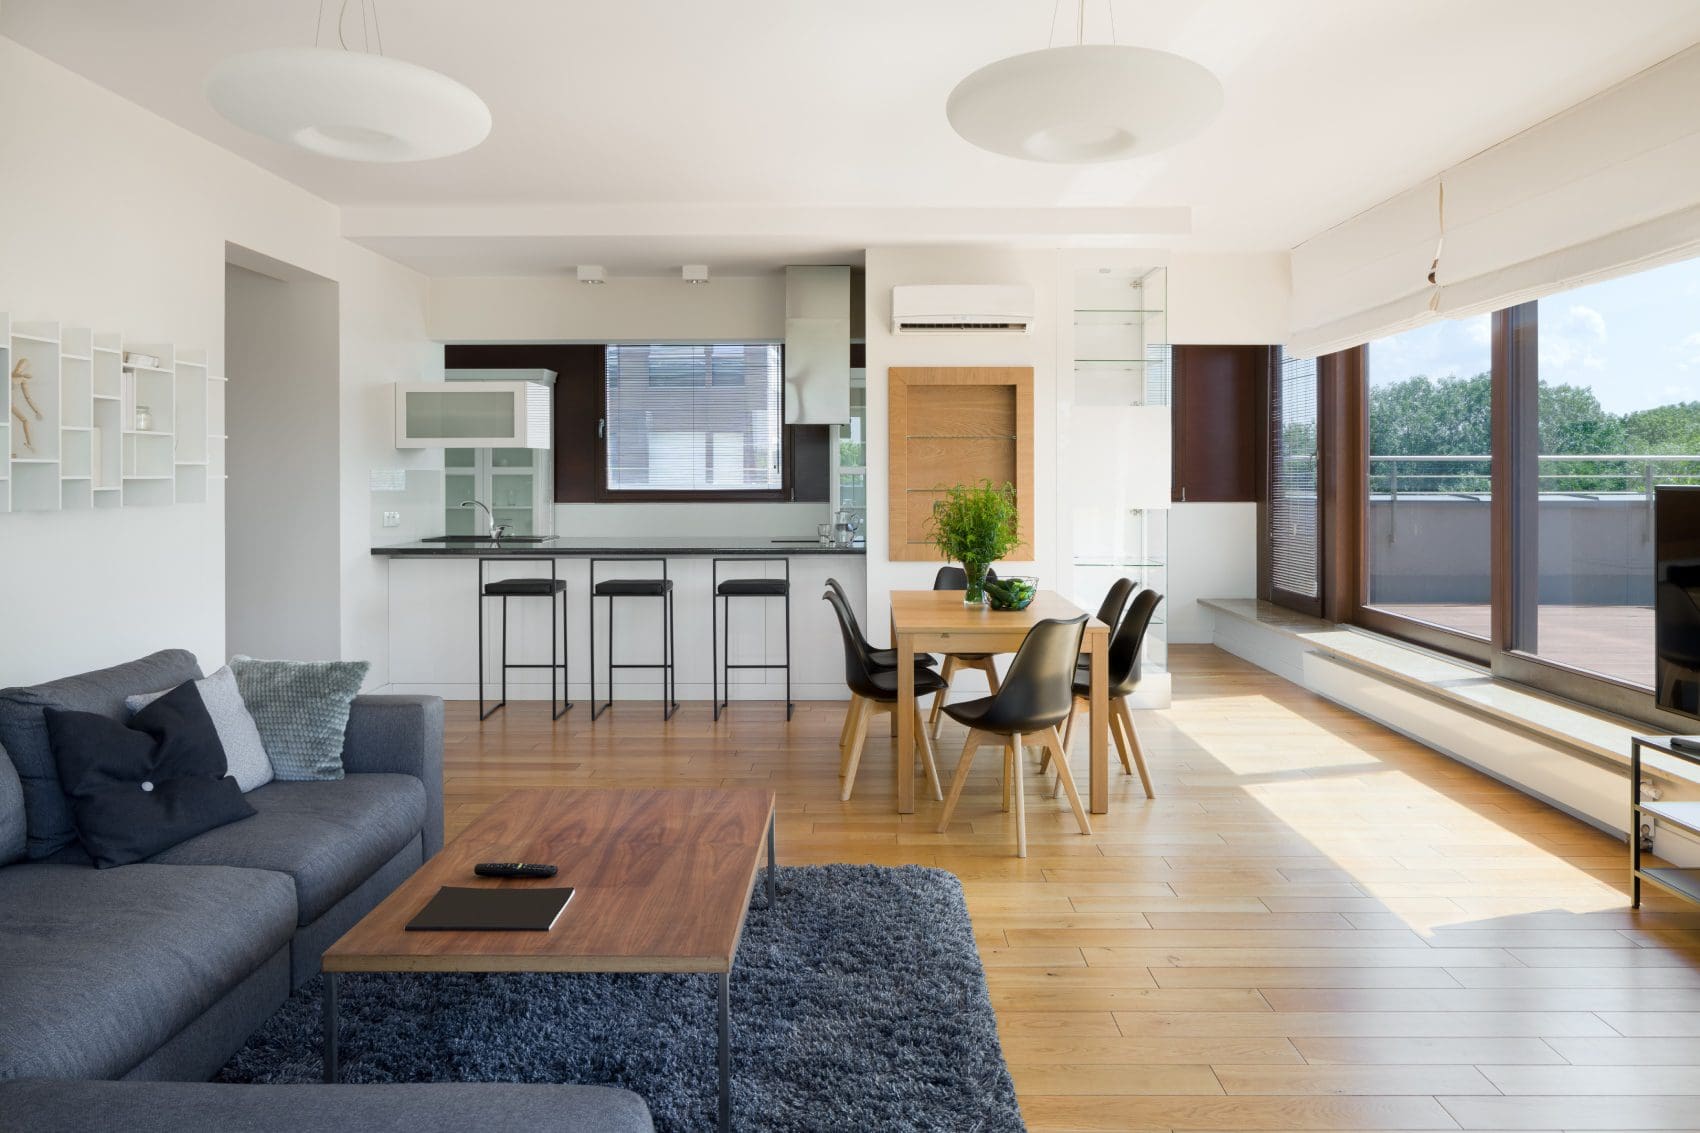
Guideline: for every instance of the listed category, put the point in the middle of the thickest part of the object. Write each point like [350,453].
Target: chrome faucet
[498,531]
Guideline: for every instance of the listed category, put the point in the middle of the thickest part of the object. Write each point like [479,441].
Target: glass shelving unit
[1113,439]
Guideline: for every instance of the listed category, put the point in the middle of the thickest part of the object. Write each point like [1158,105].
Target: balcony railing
[1583,476]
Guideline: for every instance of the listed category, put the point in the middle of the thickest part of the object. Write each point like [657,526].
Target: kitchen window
[693,420]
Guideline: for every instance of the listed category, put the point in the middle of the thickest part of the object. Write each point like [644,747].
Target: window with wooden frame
[1291,516]
[1588,408]
[950,425]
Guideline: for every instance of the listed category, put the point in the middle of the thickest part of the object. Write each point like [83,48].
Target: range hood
[817,346]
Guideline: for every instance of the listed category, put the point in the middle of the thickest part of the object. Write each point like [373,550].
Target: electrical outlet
[392,519]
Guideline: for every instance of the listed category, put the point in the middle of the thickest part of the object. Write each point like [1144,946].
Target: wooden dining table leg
[904,711]
[1100,729]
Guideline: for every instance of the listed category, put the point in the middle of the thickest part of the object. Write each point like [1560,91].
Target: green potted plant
[976,525]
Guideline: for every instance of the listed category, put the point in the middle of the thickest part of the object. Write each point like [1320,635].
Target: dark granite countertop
[681,546]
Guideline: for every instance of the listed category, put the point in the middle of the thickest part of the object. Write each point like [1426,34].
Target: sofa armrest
[401,735]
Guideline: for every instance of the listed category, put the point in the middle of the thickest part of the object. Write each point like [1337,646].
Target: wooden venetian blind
[952,425]
[1292,478]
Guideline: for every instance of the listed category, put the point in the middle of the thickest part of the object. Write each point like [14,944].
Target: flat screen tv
[1676,600]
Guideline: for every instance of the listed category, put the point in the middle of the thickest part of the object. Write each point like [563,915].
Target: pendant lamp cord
[1080,24]
[368,32]
[1110,7]
[1439,246]
[319,24]
[1050,40]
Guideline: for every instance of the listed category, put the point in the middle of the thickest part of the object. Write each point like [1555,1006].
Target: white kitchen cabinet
[473,415]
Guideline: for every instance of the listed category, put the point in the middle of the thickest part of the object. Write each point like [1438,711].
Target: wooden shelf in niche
[953,425]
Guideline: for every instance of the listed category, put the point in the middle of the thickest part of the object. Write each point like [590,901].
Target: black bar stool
[613,588]
[732,588]
[552,588]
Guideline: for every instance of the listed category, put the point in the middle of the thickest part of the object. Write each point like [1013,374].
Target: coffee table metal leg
[330,1027]
[771,891]
[725,1052]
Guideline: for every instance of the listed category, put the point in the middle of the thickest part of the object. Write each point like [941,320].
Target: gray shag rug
[859,1004]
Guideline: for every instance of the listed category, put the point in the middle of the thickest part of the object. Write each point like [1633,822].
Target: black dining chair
[1110,612]
[955,578]
[1125,646]
[1035,697]
[874,690]
[878,658]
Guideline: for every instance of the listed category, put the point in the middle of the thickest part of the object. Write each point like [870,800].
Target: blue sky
[1634,341]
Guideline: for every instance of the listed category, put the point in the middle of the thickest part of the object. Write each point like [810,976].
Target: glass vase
[975,595]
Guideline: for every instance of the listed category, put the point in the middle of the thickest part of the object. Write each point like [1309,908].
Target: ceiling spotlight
[1086,102]
[348,104]
[591,273]
[695,273]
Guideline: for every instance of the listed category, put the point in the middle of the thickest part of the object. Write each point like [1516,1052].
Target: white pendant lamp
[1084,103]
[352,105]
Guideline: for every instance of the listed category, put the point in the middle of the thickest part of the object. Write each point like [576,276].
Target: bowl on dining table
[1011,592]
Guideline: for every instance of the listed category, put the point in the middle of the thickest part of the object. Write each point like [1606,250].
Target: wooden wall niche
[952,425]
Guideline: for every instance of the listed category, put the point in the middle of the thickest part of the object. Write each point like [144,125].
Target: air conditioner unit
[962,308]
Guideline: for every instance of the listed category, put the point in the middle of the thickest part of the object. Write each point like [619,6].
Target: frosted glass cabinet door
[472,415]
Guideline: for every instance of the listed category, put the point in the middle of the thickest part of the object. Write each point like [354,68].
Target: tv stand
[1684,883]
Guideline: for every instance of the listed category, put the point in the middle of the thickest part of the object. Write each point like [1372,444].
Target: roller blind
[694,418]
[1292,480]
[1602,189]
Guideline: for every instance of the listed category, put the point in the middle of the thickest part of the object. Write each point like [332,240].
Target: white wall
[1229,299]
[114,219]
[639,309]
[384,340]
[887,267]
[1212,554]
[281,343]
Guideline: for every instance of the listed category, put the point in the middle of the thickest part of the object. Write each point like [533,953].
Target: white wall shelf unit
[79,408]
[1113,424]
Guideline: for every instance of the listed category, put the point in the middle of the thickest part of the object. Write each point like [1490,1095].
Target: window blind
[1292,481]
[694,418]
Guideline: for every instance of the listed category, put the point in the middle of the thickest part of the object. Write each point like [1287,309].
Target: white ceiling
[1332,106]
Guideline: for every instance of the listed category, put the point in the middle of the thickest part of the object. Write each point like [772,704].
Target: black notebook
[456,909]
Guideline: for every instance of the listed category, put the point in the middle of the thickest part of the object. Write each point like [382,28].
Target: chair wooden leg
[858,739]
[1066,778]
[1120,707]
[1020,800]
[1068,735]
[858,706]
[849,722]
[928,763]
[945,671]
[959,780]
[1008,774]
[989,666]
[1118,732]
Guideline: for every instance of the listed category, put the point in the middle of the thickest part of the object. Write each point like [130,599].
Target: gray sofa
[160,970]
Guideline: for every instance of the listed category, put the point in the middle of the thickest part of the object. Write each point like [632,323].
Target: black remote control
[513,869]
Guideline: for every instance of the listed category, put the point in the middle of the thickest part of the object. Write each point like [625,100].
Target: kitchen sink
[487,539]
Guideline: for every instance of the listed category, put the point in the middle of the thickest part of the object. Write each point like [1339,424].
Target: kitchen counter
[659,545]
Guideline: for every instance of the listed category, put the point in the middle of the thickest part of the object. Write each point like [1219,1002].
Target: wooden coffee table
[662,884]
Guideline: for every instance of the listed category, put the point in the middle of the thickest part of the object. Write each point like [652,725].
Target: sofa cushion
[12,837]
[145,786]
[329,836]
[98,968]
[416,1107]
[23,732]
[244,751]
[301,710]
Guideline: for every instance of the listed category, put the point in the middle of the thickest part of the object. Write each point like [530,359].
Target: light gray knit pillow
[244,751]
[301,709]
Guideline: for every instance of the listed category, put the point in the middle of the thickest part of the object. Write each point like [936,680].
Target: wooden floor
[1317,924]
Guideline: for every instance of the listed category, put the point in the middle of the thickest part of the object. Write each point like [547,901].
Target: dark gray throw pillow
[141,788]
[301,709]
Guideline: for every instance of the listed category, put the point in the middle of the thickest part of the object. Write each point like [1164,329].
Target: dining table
[939,621]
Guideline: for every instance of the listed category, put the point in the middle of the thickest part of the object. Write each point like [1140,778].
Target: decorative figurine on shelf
[21,385]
